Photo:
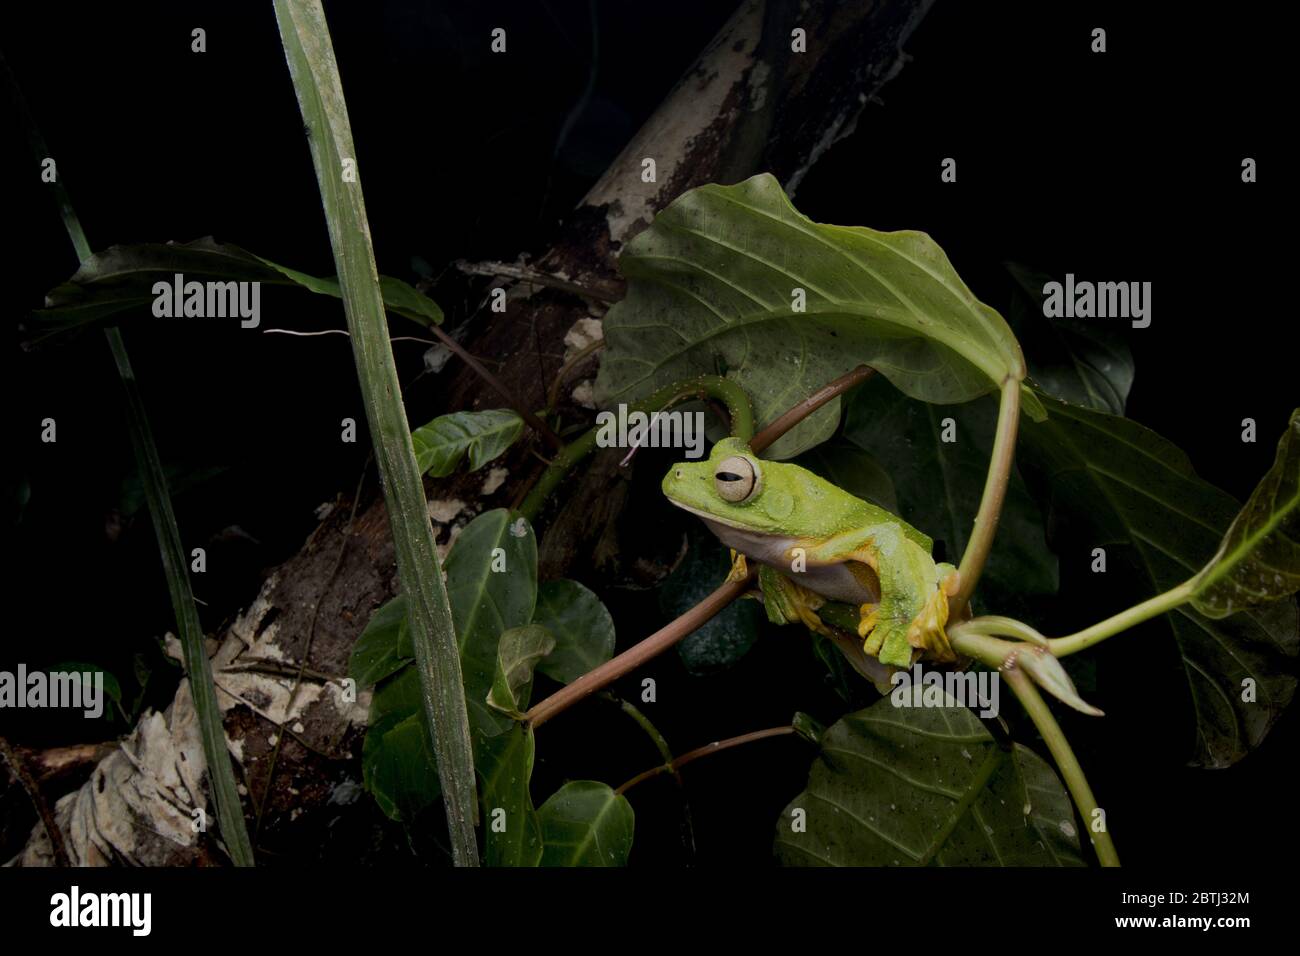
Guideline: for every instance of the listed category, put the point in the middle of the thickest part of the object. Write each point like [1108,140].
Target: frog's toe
[926,632]
[868,615]
[951,582]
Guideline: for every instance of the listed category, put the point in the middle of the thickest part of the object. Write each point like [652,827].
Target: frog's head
[734,487]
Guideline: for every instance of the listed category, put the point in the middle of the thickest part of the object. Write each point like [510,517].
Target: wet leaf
[1076,360]
[518,653]
[581,625]
[1116,485]
[1259,559]
[716,280]
[940,484]
[926,786]
[512,833]
[483,436]
[585,823]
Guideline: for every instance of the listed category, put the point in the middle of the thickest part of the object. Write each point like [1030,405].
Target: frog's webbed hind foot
[927,630]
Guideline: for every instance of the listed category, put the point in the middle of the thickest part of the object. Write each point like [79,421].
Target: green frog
[814,542]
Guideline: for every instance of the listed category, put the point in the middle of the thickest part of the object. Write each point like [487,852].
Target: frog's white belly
[833,581]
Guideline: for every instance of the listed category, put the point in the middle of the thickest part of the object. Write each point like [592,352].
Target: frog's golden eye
[735,478]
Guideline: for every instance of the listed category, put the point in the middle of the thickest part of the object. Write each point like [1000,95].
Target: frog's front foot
[739,567]
[950,580]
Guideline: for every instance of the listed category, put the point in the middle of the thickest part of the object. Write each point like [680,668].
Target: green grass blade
[230,815]
[305,36]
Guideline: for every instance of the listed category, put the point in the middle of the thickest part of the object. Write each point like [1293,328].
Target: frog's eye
[735,478]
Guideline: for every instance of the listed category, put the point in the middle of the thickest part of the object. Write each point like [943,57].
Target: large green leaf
[492,584]
[585,823]
[485,604]
[940,485]
[1259,559]
[1077,360]
[581,625]
[920,786]
[711,284]
[518,652]
[122,278]
[1119,486]
[384,647]
[441,444]
[398,764]
[512,834]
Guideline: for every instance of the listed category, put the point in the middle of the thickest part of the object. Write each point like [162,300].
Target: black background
[1122,166]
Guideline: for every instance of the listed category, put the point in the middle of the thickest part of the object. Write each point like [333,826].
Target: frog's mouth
[766,546]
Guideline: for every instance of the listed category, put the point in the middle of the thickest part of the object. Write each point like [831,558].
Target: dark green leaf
[585,823]
[1259,559]
[492,584]
[384,647]
[711,283]
[926,786]
[518,653]
[582,627]
[940,485]
[512,834]
[441,444]
[1119,486]
[398,765]
[122,278]
[1080,361]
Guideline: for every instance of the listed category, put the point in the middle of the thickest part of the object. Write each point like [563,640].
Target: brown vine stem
[635,656]
[673,766]
[995,492]
[809,405]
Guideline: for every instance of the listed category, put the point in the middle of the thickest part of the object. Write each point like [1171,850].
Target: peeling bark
[747,104]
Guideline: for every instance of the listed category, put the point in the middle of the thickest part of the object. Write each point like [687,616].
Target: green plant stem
[225,793]
[310,55]
[1066,762]
[1154,607]
[1004,627]
[995,492]
[666,752]
[705,386]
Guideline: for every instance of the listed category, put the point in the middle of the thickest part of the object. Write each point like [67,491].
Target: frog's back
[836,511]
